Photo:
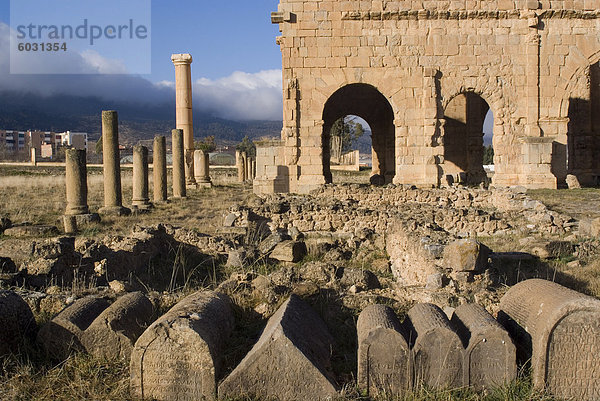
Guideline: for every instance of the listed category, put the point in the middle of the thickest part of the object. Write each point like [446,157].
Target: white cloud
[101,64]
[239,96]
[242,96]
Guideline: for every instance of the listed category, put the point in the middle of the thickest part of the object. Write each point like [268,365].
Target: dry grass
[81,377]
[577,203]
[37,196]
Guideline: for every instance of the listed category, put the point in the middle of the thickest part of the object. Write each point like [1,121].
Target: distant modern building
[13,141]
[76,140]
[45,143]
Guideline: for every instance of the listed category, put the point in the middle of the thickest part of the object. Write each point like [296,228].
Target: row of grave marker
[178,356]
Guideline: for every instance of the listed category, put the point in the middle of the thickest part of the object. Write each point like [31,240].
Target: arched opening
[468,143]
[583,138]
[350,145]
[366,102]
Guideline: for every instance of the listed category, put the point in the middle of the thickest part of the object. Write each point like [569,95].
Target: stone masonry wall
[529,60]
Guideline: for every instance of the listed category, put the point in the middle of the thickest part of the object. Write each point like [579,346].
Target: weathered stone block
[16,322]
[63,334]
[437,351]
[573,182]
[590,227]
[559,329]
[384,356]
[490,355]
[178,356]
[113,334]
[290,361]
[289,251]
[466,255]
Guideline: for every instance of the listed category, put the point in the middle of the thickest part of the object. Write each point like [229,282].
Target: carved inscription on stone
[383,353]
[573,369]
[290,361]
[438,351]
[490,356]
[178,356]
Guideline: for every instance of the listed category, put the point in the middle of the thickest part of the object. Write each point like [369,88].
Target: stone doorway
[366,102]
[583,137]
[464,119]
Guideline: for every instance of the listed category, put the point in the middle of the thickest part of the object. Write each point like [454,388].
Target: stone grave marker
[384,356]
[63,334]
[560,330]
[178,356]
[114,332]
[290,361]
[437,350]
[490,355]
[16,322]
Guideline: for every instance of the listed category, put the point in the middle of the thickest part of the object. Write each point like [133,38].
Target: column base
[205,185]
[115,211]
[144,205]
[141,209]
[177,198]
[85,218]
[161,202]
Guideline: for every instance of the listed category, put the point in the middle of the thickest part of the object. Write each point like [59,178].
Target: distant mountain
[136,121]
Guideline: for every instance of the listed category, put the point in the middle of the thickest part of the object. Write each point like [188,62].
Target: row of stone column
[246,166]
[76,174]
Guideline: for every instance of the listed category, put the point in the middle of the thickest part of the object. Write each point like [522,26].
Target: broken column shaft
[159,164]
[113,201]
[179,190]
[140,178]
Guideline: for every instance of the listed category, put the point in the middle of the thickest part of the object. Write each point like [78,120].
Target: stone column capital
[181,59]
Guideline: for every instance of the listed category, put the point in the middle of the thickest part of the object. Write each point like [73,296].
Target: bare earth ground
[37,196]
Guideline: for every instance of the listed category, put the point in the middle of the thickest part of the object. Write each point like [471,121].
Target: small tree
[488,155]
[247,146]
[343,134]
[207,144]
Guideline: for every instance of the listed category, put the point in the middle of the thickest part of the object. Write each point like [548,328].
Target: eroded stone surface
[63,334]
[114,332]
[384,356]
[560,330]
[16,322]
[290,361]
[438,351]
[490,355]
[179,356]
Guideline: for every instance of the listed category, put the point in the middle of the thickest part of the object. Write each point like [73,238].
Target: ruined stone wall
[524,58]
[457,211]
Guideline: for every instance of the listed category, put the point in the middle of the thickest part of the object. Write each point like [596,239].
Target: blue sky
[223,37]
[236,69]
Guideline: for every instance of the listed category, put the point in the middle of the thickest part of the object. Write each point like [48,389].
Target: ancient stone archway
[367,102]
[583,127]
[522,57]
[464,116]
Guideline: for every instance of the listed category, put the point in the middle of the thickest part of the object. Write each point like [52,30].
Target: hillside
[136,121]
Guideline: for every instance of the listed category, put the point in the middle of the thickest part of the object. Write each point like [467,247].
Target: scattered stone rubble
[412,249]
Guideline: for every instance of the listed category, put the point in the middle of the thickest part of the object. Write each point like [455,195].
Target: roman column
[113,201]
[179,190]
[140,178]
[202,169]
[239,162]
[183,106]
[245,166]
[159,167]
[76,177]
